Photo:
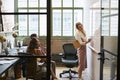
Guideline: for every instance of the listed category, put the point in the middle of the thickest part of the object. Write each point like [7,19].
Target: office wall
[56,43]
[95,62]
[87,28]
[92,58]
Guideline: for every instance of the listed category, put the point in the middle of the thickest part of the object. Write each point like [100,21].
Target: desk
[14,51]
[5,66]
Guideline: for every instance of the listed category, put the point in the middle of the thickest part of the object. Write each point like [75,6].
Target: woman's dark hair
[32,45]
[33,35]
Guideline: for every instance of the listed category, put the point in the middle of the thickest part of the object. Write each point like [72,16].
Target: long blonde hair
[78,23]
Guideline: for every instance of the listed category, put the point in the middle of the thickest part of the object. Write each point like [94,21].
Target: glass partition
[109,34]
[21,18]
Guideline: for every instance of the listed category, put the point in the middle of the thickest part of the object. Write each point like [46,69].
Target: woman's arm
[39,53]
[88,41]
[78,37]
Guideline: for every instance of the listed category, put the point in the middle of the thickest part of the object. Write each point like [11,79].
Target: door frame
[102,55]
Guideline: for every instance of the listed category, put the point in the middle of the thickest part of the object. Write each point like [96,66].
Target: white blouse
[80,37]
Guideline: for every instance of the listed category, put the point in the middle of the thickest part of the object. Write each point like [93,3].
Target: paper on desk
[5,62]
[40,63]
[7,58]
[10,58]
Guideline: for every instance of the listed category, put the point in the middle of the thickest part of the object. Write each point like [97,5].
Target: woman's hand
[89,39]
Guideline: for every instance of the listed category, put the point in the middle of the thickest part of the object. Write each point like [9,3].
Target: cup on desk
[18,50]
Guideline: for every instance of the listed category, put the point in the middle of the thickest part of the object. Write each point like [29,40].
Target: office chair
[30,67]
[69,59]
[33,71]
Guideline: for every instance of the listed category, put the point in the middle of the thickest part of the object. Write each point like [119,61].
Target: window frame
[52,8]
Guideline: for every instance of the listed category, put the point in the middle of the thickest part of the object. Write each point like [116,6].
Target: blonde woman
[80,35]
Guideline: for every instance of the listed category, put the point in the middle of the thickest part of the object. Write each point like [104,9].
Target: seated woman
[34,47]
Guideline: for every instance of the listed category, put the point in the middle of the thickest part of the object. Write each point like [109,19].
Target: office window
[32,23]
[94,20]
[65,13]
[110,18]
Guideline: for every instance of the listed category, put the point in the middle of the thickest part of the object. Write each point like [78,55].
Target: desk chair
[33,71]
[69,59]
[23,60]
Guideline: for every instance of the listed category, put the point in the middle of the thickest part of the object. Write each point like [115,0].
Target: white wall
[92,58]
[95,61]
[87,28]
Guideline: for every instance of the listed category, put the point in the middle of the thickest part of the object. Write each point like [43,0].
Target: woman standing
[82,57]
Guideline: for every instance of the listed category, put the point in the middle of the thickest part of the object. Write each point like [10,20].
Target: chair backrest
[30,64]
[69,51]
[31,67]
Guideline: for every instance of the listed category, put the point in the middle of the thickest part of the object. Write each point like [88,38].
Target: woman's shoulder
[78,33]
